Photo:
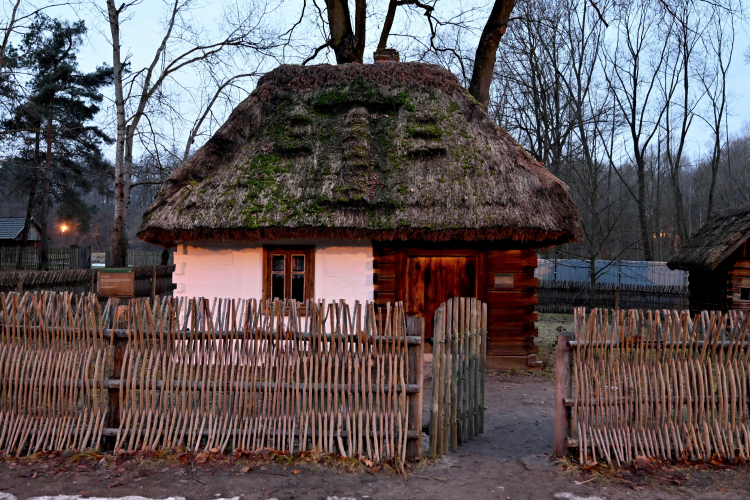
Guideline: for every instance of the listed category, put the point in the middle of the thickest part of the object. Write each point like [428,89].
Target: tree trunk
[29,205]
[715,159]
[642,216]
[44,215]
[27,221]
[484,60]
[122,170]
[348,46]
[679,210]
[592,282]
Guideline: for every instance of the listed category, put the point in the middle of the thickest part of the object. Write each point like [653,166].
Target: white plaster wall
[343,269]
[216,270]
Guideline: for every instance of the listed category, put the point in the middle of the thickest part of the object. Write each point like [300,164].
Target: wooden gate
[458,364]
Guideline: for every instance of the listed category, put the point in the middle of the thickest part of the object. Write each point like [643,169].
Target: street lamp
[63,228]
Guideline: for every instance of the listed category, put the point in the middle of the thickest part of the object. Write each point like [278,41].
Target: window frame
[308,251]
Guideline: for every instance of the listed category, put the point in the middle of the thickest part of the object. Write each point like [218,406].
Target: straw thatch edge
[714,241]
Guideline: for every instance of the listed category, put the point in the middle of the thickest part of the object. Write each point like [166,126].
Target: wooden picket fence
[458,363]
[658,384]
[58,258]
[226,375]
[564,296]
[149,280]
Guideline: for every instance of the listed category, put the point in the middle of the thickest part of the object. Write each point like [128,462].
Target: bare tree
[681,100]
[719,47]
[530,99]
[182,47]
[634,67]
[348,42]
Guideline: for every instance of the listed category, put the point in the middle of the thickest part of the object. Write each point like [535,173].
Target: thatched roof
[383,151]
[714,241]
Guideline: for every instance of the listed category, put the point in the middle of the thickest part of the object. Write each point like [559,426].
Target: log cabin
[718,259]
[382,182]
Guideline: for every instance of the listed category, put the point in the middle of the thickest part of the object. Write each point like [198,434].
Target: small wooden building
[383,182]
[11,232]
[718,258]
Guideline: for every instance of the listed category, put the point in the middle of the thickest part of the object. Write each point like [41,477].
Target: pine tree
[54,122]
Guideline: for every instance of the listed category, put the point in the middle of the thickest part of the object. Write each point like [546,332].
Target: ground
[510,461]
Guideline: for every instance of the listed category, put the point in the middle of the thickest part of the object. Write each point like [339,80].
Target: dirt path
[509,461]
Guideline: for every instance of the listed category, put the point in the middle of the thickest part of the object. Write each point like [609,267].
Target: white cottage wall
[343,269]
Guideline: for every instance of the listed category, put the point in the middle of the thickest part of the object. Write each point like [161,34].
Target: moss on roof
[384,151]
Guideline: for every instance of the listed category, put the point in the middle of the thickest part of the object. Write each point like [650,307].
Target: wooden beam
[562,389]
[415,327]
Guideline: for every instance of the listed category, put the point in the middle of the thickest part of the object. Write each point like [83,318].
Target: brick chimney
[386,55]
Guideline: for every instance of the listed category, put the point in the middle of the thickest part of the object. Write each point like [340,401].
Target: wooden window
[288,273]
[744,293]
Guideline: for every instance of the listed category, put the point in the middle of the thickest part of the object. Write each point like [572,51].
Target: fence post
[118,348]
[19,284]
[562,388]
[415,326]
[153,285]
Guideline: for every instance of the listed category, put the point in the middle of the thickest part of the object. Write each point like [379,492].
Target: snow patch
[571,496]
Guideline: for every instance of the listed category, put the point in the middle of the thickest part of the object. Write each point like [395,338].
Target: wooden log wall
[511,315]
[504,281]
[459,359]
[226,375]
[739,279]
[659,384]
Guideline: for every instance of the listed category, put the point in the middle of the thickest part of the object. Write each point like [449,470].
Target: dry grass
[549,325]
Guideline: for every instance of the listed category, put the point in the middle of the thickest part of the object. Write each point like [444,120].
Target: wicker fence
[458,362]
[657,384]
[230,375]
[564,296]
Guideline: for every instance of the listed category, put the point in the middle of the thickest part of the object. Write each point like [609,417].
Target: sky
[141,34]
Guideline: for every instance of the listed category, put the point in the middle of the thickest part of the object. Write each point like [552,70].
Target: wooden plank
[385,285]
[384,258]
[502,362]
[436,417]
[511,299]
[522,314]
[521,281]
[383,297]
[116,283]
[511,349]
[415,327]
[563,360]
[499,332]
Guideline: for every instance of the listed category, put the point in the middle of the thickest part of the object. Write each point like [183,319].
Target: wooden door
[430,281]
